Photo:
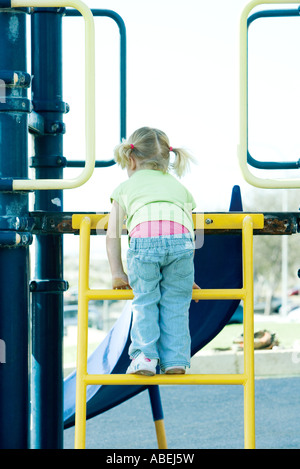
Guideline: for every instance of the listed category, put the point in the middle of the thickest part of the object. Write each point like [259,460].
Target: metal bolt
[17,223]
[33,286]
[54,127]
[209,221]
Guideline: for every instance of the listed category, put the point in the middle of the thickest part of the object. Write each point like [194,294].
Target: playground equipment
[246,222]
[243,154]
[43,117]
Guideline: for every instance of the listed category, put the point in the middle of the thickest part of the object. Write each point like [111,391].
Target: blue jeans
[161,274]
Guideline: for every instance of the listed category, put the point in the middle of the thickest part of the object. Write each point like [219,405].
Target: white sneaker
[175,370]
[142,365]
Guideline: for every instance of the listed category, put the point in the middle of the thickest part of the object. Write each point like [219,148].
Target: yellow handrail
[245,222]
[207,221]
[243,144]
[42,184]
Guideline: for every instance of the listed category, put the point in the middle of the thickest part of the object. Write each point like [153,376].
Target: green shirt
[150,195]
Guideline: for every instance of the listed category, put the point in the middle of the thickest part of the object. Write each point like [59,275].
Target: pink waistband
[149,229]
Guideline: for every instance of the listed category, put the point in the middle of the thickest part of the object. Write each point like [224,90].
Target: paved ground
[209,417]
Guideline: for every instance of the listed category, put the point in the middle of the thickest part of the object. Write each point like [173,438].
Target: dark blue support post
[48,161]
[14,259]
[158,416]
[155,401]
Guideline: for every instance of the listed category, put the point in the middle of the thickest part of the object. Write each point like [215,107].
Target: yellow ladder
[242,221]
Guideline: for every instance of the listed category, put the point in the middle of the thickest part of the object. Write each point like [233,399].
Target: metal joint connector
[48,286]
[13,78]
[59,10]
[47,162]
[51,106]
[5,4]
[13,239]
[18,104]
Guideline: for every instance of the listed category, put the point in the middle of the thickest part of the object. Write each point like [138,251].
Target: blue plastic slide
[218,264]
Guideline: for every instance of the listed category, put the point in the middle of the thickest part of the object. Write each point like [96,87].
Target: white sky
[182,77]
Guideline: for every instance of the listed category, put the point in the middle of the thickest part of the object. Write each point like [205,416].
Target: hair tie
[132,146]
[171,148]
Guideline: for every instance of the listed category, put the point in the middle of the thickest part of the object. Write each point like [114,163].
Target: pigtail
[182,161]
[122,153]
[151,149]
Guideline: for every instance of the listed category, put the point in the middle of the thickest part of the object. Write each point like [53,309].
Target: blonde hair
[151,148]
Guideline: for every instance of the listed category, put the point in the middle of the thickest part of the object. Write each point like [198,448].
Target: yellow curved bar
[43,184]
[243,145]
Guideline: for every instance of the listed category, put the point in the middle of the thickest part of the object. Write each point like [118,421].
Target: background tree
[268,249]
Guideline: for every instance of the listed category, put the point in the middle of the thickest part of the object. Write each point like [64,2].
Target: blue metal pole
[14,259]
[48,161]
[155,401]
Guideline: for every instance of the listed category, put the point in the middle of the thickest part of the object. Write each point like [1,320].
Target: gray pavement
[201,417]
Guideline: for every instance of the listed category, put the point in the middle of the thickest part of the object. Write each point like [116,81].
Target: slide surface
[218,264]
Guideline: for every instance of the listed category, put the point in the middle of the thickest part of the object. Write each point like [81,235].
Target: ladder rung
[128,379]
[203,294]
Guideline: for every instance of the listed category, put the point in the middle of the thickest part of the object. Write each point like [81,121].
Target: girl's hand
[120,282]
[196,287]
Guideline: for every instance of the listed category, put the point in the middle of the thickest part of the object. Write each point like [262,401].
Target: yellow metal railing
[243,144]
[245,222]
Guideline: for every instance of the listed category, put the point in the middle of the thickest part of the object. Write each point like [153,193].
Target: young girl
[160,259]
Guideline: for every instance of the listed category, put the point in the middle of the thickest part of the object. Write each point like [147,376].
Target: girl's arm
[113,246]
